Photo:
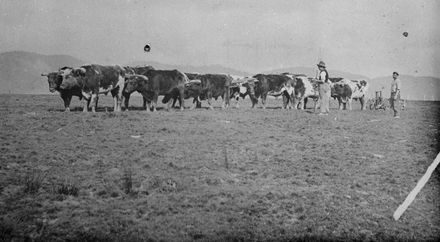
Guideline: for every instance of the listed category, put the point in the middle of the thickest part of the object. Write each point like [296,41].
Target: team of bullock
[88,81]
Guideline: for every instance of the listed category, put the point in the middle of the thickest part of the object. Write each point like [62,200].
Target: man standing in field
[395,94]
[323,88]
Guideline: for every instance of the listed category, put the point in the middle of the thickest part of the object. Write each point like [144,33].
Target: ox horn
[44,74]
[80,70]
[195,81]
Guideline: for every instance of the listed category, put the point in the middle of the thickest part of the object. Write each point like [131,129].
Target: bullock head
[54,79]
[193,89]
[71,77]
[129,70]
[341,90]
[251,85]
[134,83]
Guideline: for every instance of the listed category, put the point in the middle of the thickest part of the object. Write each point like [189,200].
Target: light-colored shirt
[396,85]
[321,76]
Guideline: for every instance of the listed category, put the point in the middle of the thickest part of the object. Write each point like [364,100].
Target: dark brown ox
[95,79]
[267,84]
[169,83]
[140,70]
[55,79]
[210,86]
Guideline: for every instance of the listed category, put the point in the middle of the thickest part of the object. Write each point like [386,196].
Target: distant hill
[413,88]
[309,71]
[20,71]
[192,69]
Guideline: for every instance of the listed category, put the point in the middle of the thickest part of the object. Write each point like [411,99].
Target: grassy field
[212,175]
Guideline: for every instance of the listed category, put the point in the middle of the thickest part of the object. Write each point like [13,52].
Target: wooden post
[412,195]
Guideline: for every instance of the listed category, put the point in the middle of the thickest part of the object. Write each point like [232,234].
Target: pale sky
[362,37]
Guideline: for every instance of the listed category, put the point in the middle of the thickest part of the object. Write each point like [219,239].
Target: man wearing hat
[323,88]
[395,94]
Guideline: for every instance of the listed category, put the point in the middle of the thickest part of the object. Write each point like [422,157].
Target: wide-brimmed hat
[321,64]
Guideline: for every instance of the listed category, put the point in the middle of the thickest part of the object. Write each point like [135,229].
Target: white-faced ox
[346,90]
[304,88]
[95,79]
[239,87]
[170,83]
[55,79]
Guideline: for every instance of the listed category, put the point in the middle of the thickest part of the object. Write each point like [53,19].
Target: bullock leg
[193,105]
[227,96]
[292,97]
[254,100]
[169,103]
[182,98]
[126,100]
[94,101]
[362,101]
[174,102]
[349,104]
[144,104]
[294,102]
[285,101]
[155,97]
[67,99]
[148,106]
[115,103]
[209,100]
[263,100]
[87,99]
[86,105]
[119,96]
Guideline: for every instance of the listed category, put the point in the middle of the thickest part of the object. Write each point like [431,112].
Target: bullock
[140,70]
[346,90]
[55,79]
[267,84]
[192,89]
[170,83]
[305,88]
[239,87]
[210,86]
[95,79]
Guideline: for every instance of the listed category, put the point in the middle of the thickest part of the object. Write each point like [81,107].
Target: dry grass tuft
[68,188]
[33,181]
[127,181]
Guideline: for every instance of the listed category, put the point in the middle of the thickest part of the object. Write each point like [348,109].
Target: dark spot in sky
[147,48]
[405,34]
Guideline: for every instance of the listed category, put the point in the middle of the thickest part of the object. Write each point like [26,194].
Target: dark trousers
[395,103]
